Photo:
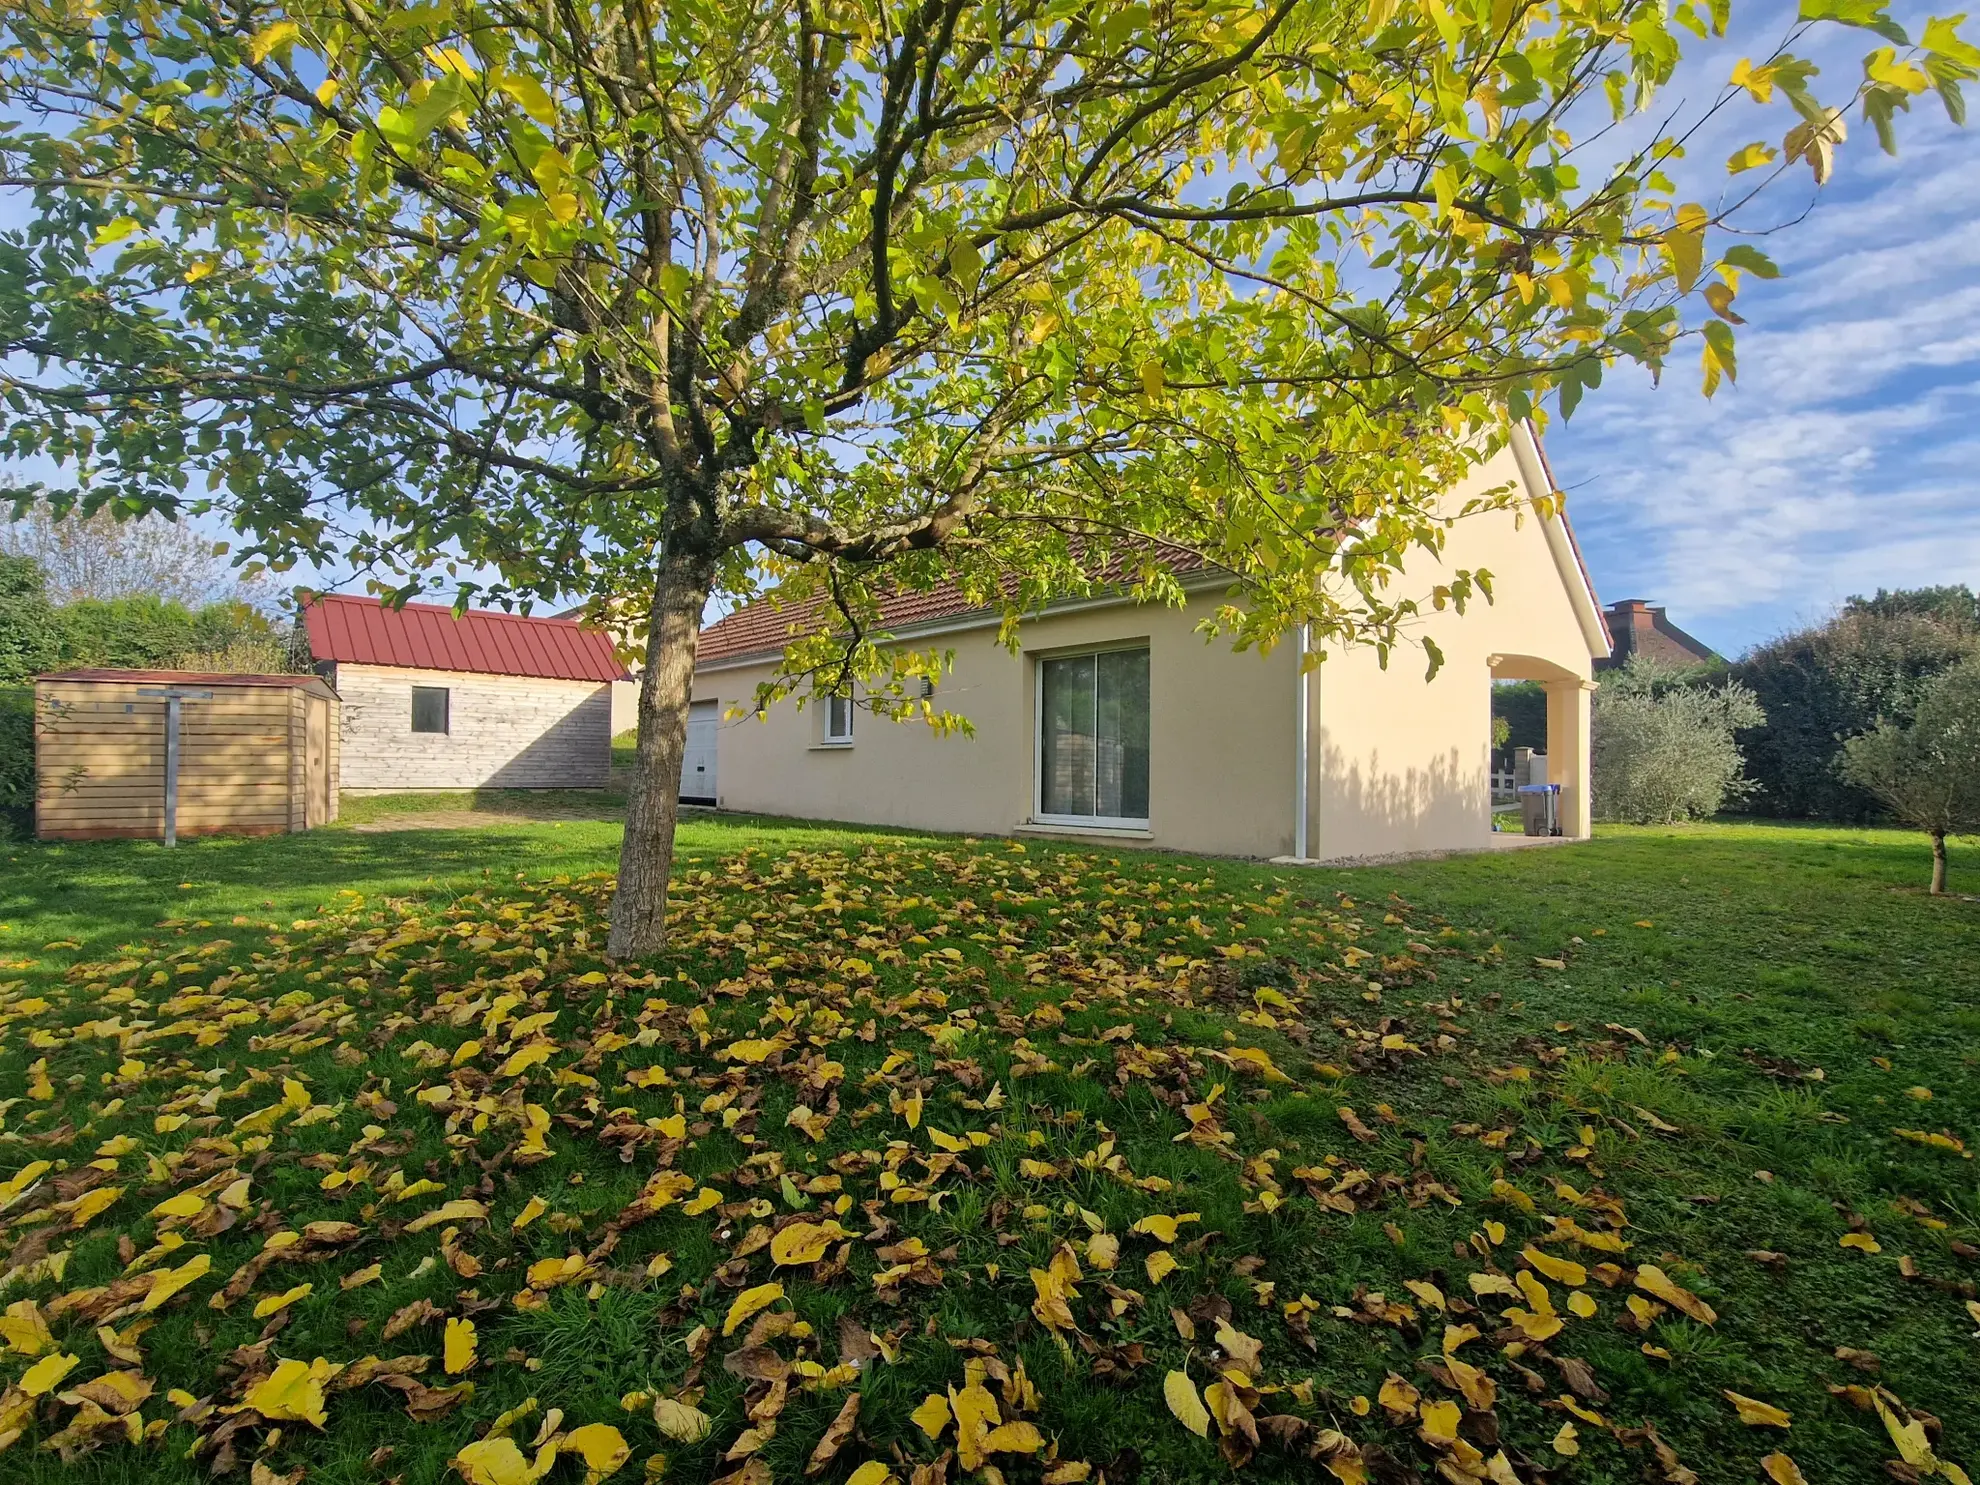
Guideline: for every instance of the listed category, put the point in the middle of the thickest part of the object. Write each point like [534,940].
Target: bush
[1870,664]
[29,633]
[16,761]
[1663,745]
[1522,706]
[1928,774]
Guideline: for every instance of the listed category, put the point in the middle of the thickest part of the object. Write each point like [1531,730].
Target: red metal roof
[427,636]
[183,677]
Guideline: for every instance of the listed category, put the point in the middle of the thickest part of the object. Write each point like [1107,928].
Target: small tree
[1928,774]
[1663,746]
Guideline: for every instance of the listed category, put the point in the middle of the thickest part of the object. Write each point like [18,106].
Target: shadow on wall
[1368,808]
[573,752]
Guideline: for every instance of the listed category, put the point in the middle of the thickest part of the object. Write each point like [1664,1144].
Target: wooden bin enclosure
[257,755]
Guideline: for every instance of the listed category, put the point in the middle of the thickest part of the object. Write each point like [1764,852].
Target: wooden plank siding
[504,731]
[100,759]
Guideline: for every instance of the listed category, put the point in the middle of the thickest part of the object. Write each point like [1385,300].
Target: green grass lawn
[1510,1167]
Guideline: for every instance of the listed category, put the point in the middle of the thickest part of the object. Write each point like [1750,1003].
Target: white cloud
[1847,457]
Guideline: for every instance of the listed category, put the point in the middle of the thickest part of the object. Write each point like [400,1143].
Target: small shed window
[429,709]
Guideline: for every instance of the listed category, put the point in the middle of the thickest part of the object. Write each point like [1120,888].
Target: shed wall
[504,732]
[100,761]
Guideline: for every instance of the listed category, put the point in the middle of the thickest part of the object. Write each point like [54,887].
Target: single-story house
[485,700]
[1118,721]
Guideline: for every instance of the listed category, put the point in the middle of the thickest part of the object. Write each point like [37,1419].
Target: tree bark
[646,855]
[1938,863]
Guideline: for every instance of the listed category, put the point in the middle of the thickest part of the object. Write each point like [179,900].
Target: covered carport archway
[1568,732]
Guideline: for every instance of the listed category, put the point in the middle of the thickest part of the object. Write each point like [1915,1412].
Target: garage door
[698,765]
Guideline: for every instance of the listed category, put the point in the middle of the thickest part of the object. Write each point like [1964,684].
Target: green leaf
[1745,256]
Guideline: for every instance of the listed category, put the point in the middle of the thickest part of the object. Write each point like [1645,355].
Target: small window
[429,709]
[838,720]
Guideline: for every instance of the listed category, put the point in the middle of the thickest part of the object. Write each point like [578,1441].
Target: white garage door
[698,764]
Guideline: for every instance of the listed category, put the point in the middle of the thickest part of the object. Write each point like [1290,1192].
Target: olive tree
[643,303]
[1663,746]
[1928,773]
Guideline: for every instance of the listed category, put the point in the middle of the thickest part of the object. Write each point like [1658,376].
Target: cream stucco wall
[1400,763]
[1395,763]
[1221,747]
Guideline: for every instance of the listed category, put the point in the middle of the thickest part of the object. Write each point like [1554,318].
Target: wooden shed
[256,754]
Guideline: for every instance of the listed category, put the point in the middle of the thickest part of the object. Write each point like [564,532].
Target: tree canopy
[1928,773]
[637,303]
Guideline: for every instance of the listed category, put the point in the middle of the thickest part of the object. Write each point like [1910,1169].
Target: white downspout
[1299,753]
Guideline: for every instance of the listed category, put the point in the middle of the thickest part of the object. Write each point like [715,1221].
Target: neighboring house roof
[427,636]
[1639,628]
[183,677]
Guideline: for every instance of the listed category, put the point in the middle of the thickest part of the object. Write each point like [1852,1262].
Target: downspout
[1299,752]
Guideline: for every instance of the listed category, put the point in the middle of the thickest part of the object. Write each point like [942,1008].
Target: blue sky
[1847,457]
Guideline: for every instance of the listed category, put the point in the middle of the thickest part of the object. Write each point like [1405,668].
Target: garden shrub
[1664,745]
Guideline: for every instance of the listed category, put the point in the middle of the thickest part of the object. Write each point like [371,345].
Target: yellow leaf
[1152,379]
[90,1205]
[1016,1437]
[1654,1281]
[749,1302]
[1782,1470]
[293,1392]
[277,1302]
[1440,1422]
[1750,157]
[1186,1404]
[932,1416]
[680,1422]
[705,1200]
[535,1207]
[495,1460]
[1560,1270]
[754,1049]
[1162,1228]
[1565,1441]
[46,1374]
[1397,1395]
[1861,1241]
[873,1472]
[23,1329]
[458,1347]
[804,1242]
[271,39]
[464,1210]
[185,1204]
[1160,1264]
[169,1281]
[602,1448]
[1756,1414]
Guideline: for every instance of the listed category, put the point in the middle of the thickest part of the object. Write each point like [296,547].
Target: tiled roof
[181,677]
[768,625]
[427,636]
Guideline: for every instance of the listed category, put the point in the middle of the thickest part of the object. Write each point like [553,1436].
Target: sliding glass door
[1093,739]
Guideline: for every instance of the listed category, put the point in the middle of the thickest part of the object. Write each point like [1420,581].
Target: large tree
[647,302]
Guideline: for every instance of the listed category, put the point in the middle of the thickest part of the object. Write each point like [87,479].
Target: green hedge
[16,761]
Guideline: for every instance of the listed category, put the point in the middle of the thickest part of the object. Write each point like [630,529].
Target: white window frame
[1084,822]
[827,737]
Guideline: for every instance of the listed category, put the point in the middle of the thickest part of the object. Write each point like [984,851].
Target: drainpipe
[1299,753]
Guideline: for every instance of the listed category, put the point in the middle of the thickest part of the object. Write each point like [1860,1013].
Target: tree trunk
[1938,863]
[646,856]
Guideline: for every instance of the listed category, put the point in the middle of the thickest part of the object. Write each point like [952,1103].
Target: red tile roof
[768,625]
[427,636]
[182,677]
